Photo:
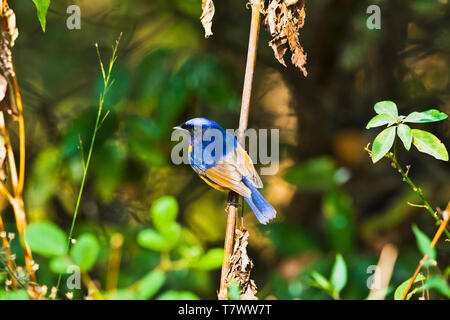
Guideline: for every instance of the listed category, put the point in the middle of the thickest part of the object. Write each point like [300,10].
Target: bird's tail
[262,209]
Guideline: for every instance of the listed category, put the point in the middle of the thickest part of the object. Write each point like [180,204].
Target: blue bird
[225,165]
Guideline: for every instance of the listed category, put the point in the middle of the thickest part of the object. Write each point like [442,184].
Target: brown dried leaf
[284,18]
[241,265]
[3,87]
[207,16]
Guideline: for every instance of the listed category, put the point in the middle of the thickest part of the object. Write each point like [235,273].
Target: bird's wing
[245,166]
[226,176]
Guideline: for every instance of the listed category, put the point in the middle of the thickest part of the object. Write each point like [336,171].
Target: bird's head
[198,123]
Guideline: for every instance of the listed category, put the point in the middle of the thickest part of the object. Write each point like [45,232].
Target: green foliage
[85,251]
[401,288]
[164,212]
[234,291]
[149,285]
[178,295]
[424,141]
[211,260]
[424,244]
[338,278]
[288,239]
[46,238]
[337,281]
[42,8]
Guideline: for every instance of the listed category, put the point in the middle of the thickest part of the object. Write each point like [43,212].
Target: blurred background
[329,196]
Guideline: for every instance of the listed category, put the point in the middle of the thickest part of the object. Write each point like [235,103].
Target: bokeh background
[329,196]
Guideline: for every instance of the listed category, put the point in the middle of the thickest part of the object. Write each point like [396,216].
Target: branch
[243,120]
[438,234]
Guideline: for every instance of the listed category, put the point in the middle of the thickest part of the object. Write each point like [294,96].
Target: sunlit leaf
[426,116]
[42,8]
[383,143]
[437,283]
[401,288]
[404,132]
[164,212]
[85,251]
[46,238]
[320,281]
[212,259]
[380,120]
[151,239]
[339,274]
[424,243]
[14,295]
[387,107]
[150,284]
[428,143]
[61,264]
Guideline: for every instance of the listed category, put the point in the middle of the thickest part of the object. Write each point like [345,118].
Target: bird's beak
[180,128]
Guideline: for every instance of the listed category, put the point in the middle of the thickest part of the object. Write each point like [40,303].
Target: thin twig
[405,175]
[438,234]
[243,120]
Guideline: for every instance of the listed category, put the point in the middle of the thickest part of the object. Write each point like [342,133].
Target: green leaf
[387,107]
[428,143]
[212,259]
[151,239]
[14,295]
[46,239]
[178,295]
[431,115]
[436,282]
[150,284]
[234,291]
[85,251]
[380,120]
[171,234]
[424,243]
[382,144]
[164,211]
[339,274]
[42,8]
[60,264]
[320,281]
[401,288]
[404,132]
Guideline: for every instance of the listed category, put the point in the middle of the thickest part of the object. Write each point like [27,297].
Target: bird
[229,170]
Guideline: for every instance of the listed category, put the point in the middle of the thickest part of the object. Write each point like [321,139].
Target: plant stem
[436,237]
[393,157]
[98,122]
[243,120]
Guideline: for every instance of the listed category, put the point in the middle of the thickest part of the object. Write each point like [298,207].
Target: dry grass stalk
[14,108]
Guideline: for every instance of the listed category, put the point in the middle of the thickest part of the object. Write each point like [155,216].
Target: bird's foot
[232,203]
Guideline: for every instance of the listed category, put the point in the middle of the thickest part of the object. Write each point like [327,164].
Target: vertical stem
[243,120]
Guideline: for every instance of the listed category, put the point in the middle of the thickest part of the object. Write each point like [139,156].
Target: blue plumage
[225,165]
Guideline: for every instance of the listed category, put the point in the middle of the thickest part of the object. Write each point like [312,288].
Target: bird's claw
[232,203]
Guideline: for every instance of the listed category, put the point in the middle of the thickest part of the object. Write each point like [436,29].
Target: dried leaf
[284,18]
[207,16]
[8,37]
[241,265]
[3,87]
